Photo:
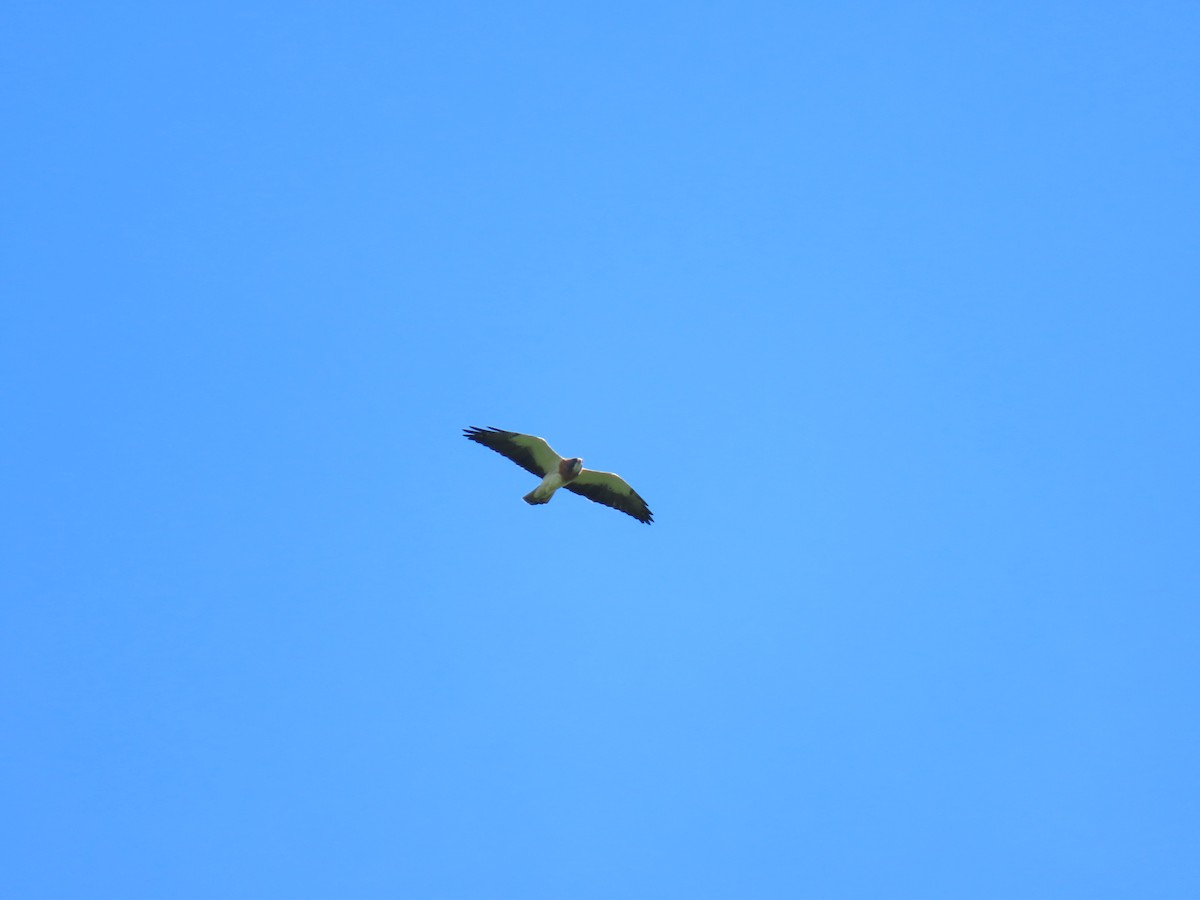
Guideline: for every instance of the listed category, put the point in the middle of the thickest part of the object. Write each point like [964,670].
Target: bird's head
[574,467]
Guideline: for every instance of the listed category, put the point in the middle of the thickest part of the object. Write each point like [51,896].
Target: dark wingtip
[644,516]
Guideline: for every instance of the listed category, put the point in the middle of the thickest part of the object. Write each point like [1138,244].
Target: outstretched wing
[611,490]
[530,453]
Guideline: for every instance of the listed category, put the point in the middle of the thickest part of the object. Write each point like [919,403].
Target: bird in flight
[534,455]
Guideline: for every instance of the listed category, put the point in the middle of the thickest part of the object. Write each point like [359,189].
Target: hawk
[534,455]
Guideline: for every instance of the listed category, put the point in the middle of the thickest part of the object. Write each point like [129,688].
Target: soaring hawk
[534,455]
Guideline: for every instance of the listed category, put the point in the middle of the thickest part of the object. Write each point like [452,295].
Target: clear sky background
[890,311]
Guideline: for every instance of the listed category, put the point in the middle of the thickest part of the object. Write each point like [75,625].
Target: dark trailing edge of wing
[631,504]
[502,442]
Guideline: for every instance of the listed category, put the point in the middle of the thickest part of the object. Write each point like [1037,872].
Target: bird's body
[536,456]
[562,474]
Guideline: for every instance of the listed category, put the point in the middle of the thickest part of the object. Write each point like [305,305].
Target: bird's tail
[533,499]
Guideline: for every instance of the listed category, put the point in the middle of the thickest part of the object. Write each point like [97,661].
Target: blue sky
[888,310]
